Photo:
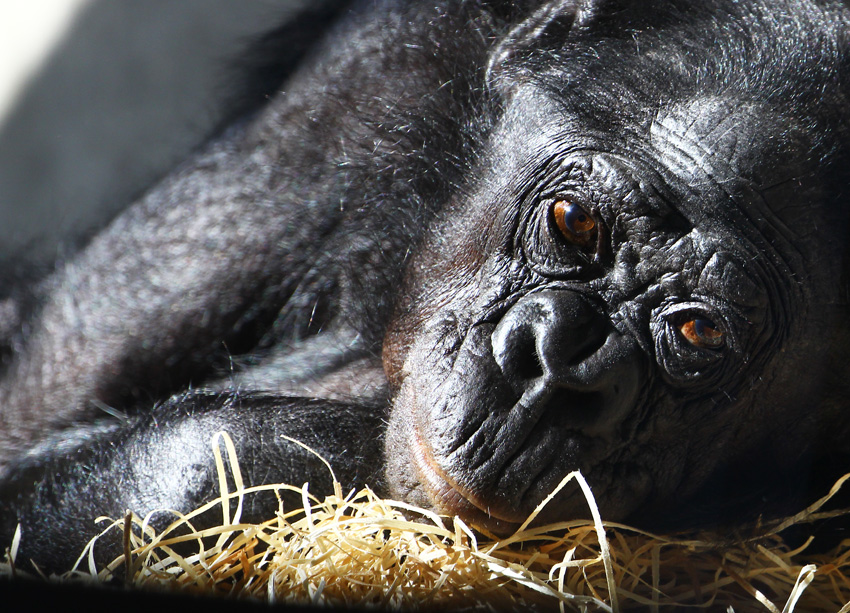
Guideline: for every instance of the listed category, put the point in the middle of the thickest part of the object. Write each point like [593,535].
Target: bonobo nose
[557,351]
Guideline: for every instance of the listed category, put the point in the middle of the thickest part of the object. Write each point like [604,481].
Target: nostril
[528,367]
[549,337]
[515,351]
[567,363]
[577,349]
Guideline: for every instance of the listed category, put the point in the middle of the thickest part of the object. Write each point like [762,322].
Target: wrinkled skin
[470,249]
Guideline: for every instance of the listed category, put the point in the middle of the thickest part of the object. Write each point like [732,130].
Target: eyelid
[677,315]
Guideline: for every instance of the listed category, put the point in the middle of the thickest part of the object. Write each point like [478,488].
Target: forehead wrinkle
[721,194]
[711,146]
[693,139]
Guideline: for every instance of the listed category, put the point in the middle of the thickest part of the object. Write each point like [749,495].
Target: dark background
[126,93]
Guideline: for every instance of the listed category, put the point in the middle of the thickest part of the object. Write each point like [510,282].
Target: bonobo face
[642,305]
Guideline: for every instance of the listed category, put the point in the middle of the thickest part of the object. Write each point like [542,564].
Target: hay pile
[358,549]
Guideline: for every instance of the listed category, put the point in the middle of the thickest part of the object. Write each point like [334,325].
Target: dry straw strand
[362,549]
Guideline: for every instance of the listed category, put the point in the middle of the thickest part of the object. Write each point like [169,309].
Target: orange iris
[574,222]
[702,333]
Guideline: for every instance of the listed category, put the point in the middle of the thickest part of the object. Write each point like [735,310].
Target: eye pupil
[702,332]
[573,222]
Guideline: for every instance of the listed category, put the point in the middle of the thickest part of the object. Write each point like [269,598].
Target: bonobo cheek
[451,427]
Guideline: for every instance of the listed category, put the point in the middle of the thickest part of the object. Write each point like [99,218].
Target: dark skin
[471,248]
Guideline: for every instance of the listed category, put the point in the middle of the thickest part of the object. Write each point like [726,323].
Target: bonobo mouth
[505,512]
[449,498]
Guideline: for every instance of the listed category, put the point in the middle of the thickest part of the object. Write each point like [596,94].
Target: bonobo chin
[464,250]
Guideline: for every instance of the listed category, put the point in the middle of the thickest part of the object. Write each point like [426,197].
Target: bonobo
[468,248]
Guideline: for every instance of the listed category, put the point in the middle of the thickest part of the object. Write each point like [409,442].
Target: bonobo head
[643,277]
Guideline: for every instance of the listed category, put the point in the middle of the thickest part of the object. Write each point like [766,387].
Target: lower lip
[448,498]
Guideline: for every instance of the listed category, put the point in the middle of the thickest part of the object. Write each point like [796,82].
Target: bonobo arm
[296,220]
[164,460]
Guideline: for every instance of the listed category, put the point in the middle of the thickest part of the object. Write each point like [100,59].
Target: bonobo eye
[574,222]
[702,332]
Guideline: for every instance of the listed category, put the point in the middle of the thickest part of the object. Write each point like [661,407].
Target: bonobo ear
[548,24]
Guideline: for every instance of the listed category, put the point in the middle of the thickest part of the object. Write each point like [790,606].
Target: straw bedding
[358,549]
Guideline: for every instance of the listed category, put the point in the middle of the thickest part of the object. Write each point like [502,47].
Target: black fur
[373,262]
